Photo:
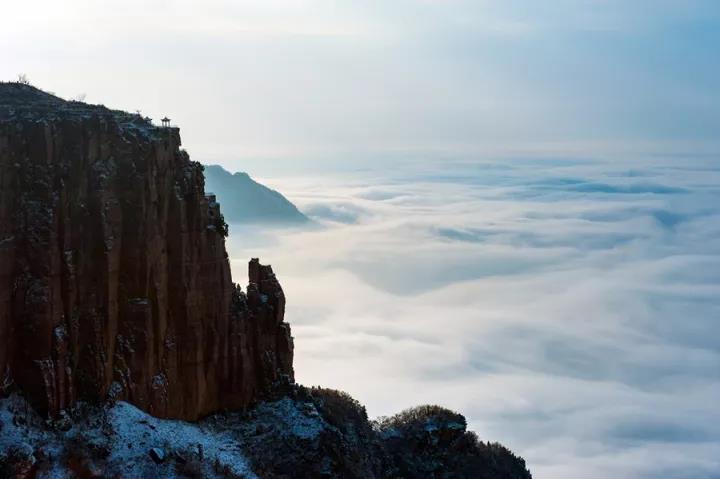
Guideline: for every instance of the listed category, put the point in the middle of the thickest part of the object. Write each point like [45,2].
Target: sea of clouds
[569,309]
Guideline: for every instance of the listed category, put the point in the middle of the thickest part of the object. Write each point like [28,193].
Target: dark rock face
[326,433]
[114,280]
[308,433]
[247,201]
[430,441]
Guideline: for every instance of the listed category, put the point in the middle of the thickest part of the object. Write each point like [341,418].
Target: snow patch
[137,432]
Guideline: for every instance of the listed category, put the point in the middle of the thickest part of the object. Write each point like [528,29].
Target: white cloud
[566,307]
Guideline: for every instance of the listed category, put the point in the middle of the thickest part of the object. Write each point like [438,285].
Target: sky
[300,84]
[516,203]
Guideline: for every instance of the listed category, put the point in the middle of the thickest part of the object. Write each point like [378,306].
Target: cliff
[247,201]
[114,280]
[118,316]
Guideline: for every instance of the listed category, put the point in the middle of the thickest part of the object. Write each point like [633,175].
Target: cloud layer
[568,308]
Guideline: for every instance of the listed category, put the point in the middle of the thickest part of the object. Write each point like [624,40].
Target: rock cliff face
[114,279]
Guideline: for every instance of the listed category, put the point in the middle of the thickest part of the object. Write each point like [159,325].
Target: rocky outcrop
[114,279]
[308,433]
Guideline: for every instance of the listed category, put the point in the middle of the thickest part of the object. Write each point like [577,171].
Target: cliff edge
[114,279]
[119,318]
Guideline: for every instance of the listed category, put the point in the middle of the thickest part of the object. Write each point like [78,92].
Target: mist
[563,305]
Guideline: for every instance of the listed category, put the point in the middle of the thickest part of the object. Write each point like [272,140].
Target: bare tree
[23,79]
[81,97]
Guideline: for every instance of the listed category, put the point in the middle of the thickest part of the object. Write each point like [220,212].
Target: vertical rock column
[114,278]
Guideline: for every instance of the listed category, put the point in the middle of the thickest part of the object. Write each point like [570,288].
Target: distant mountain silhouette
[244,200]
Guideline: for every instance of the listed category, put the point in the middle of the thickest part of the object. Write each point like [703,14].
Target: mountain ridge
[245,200]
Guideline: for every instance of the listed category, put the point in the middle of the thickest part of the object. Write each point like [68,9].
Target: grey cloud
[639,430]
[338,212]
[380,194]
[593,187]
[537,240]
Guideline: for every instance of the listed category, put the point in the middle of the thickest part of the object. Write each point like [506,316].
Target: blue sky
[350,81]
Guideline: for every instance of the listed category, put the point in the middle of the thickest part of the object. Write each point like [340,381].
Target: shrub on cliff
[428,441]
[221,226]
[421,416]
[338,407]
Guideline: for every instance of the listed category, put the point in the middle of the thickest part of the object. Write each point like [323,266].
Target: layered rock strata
[114,278]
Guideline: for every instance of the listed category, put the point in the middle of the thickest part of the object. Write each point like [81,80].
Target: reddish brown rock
[114,279]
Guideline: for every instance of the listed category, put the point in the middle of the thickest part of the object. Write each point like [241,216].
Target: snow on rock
[136,433]
[119,439]
[116,441]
